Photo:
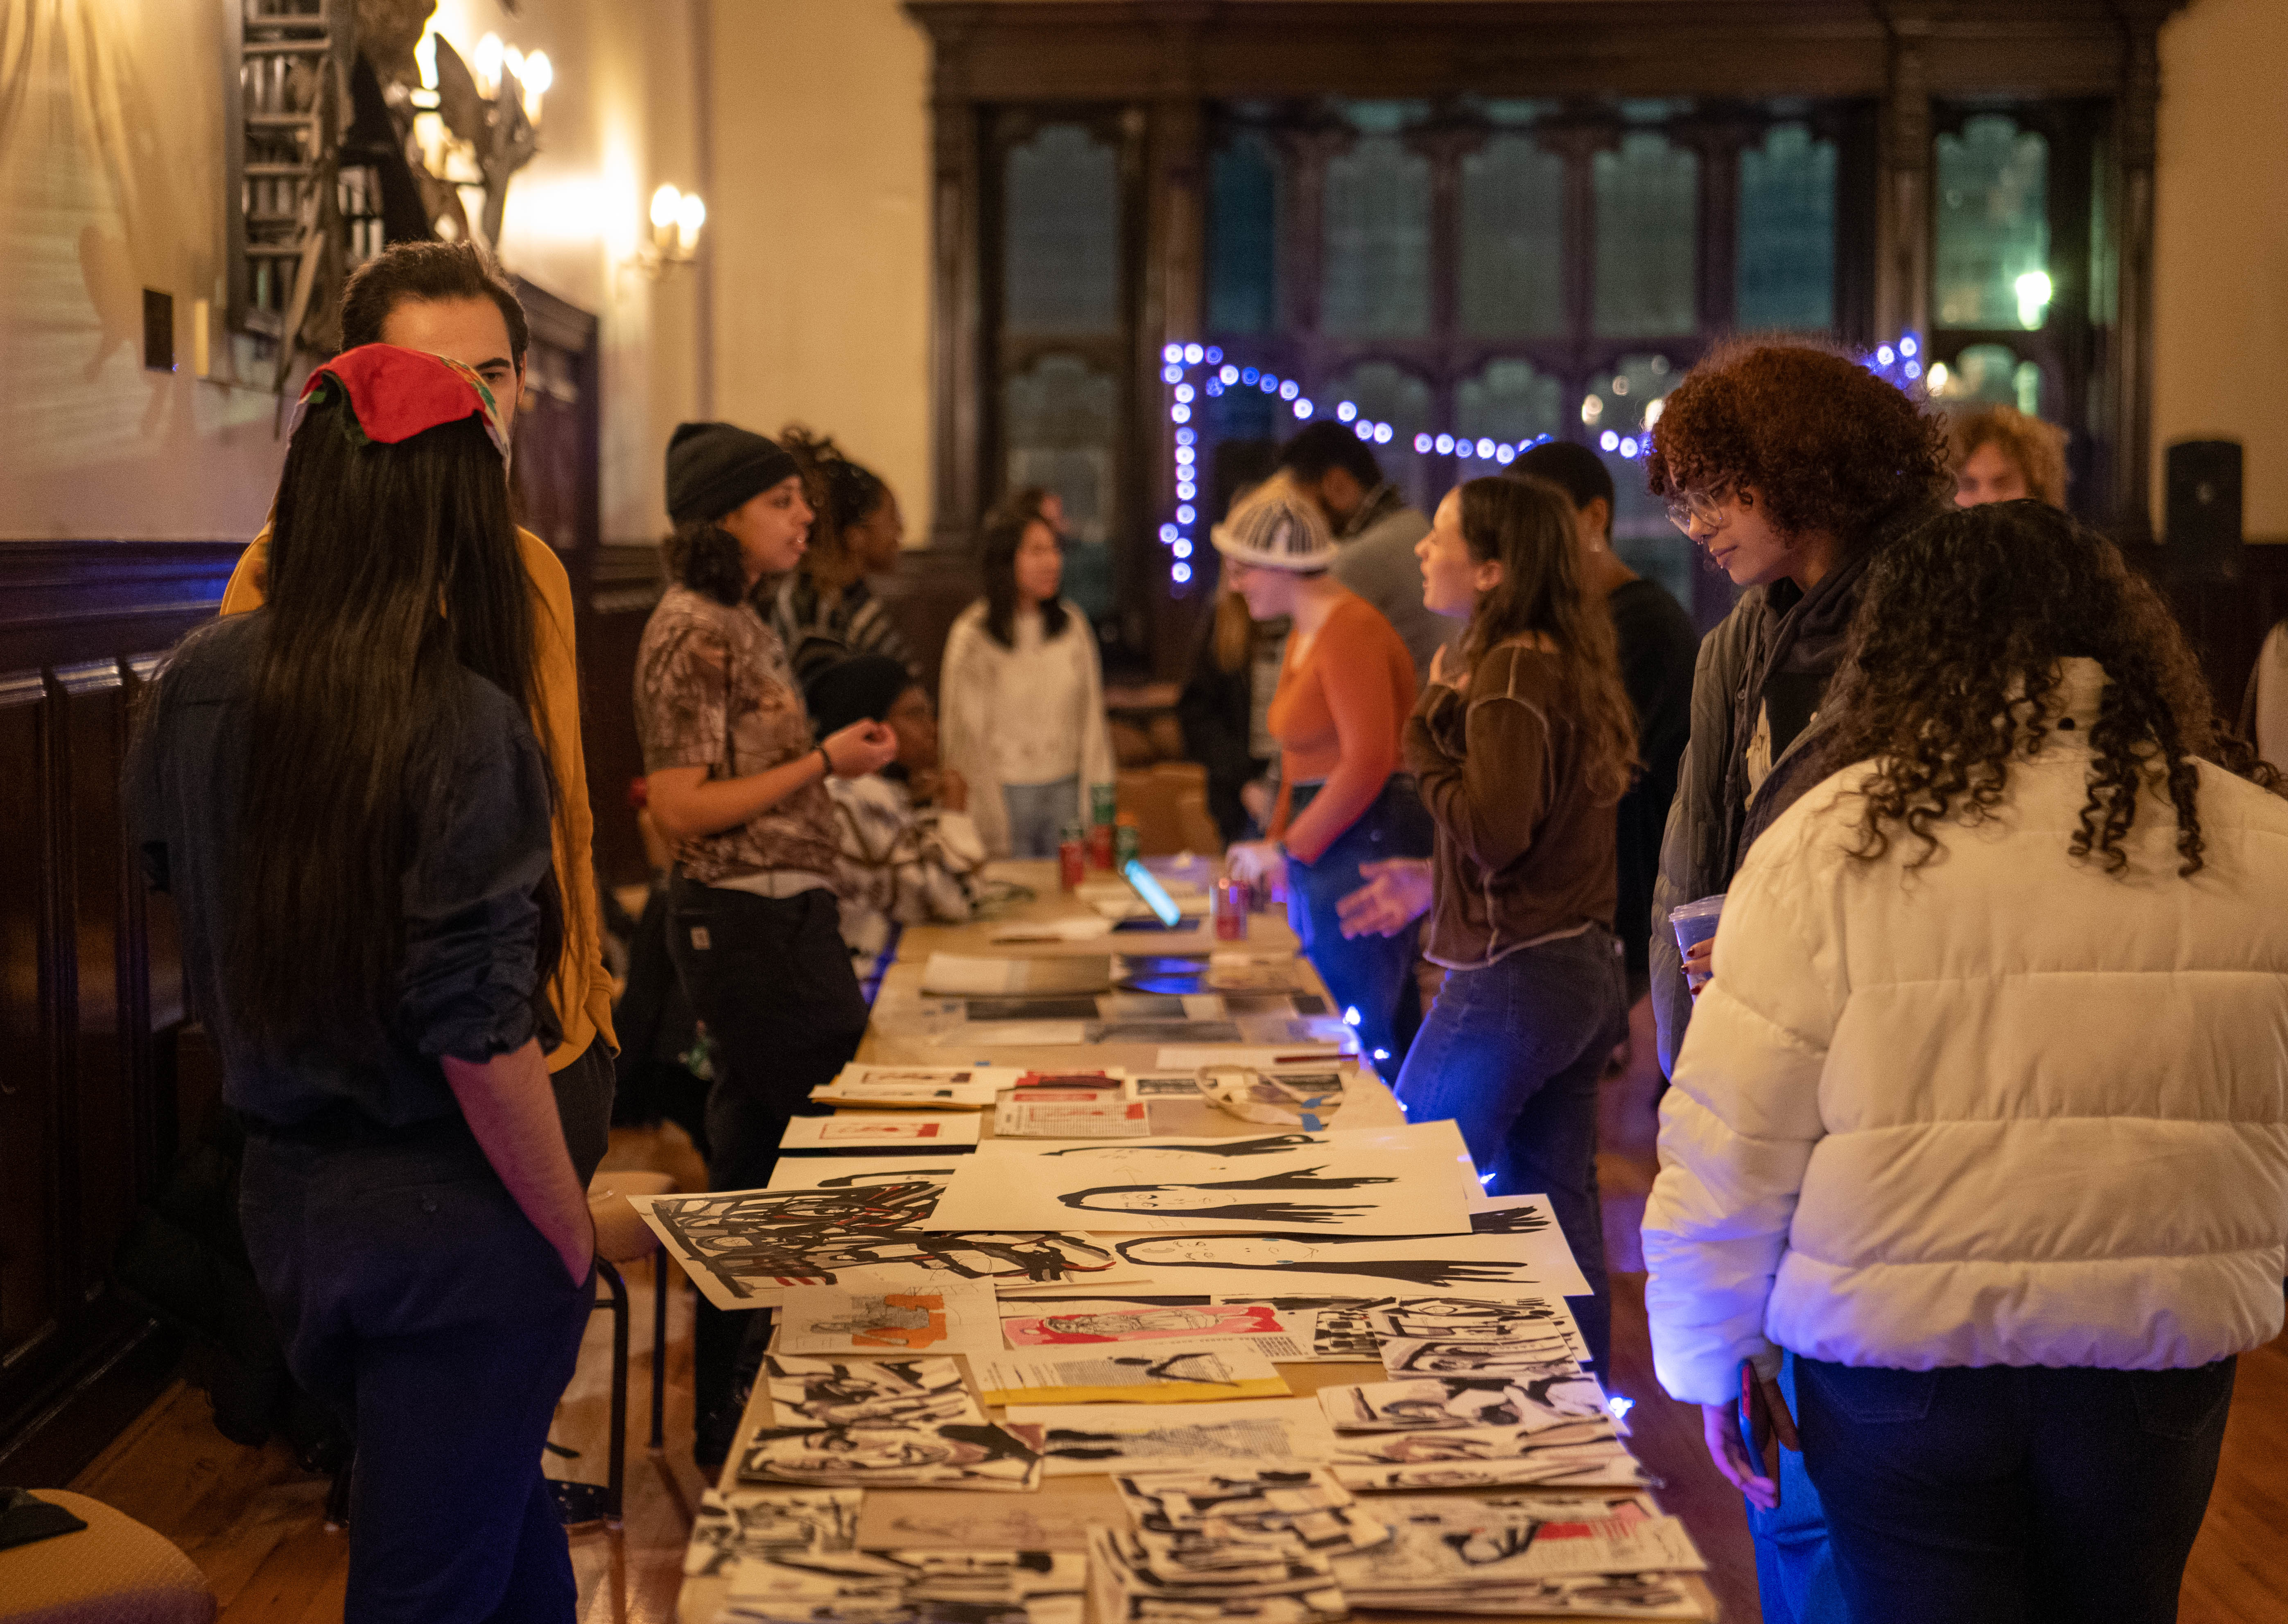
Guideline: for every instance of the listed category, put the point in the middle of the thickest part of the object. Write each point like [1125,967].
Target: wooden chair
[1168,804]
[114,1571]
[623,1236]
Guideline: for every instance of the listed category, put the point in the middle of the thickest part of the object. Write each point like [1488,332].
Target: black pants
[771,978]
[2010,1495]
[416,1299]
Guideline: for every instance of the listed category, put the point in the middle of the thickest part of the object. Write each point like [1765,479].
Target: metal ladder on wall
[292,55]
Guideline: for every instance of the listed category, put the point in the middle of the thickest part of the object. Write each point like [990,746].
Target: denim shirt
[471,982]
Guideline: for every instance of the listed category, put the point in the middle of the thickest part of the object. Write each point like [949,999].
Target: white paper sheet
[957,1316]
[1162,1372]
[853,1130]
[1396,1181]
[1091,1437]
[955,974]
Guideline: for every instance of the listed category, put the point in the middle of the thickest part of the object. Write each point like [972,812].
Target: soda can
[1100,845]
[1127,842]
[1228,910]
[1103,804]
[1072,857]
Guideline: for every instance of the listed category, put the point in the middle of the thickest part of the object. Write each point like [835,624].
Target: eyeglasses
[1702,508]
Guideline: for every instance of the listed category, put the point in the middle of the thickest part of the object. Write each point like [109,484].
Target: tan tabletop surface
[923,1518]
[1268,932]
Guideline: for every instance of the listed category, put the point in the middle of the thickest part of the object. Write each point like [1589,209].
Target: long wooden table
[923,1518]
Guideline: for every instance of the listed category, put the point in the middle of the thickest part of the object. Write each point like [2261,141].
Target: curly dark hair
[704,556]
[1828,444]
[1964,621]
[842,494]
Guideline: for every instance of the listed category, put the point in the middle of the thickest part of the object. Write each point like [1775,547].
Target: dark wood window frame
[1917,61]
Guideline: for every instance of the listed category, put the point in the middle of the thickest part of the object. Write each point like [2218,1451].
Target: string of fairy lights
[1197,373]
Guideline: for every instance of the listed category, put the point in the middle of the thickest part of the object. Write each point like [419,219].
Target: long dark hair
[1526,526]
[1964,621]
[997,562]
[355,709]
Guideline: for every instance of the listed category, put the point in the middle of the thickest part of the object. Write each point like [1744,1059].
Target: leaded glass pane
[1512,240]
[1646,205]
[1059,417]
[1509,402]
[1618,413]
[1243,235]
[1060,264]
[1787,232]
[1376,279]
[1988,375]
[1386,393]
[1992,264]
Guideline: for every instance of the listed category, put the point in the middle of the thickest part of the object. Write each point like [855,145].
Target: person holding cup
[1795,467]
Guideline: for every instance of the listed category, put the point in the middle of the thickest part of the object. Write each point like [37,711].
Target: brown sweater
[1524,850]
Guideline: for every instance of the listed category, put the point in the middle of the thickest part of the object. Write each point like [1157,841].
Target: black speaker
[2203,510]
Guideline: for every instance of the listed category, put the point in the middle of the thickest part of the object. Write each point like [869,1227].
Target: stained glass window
[1376,279]
[1646,196]
[1509,402]
[1058,425]
[1992,214]
[1062,260]
[1243,235]
[1512,240]
[1787,232]
[1387,393]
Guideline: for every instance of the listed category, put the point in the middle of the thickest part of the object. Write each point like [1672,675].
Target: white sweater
[1028,715]
[2007,1109]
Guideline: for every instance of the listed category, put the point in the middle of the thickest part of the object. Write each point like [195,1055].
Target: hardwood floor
[255,1523]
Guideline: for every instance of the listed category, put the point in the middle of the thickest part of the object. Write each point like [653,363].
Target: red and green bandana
[395,393]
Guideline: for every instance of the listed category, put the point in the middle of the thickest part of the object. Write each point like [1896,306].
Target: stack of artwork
[908,1587]
[1590,1556]
[1247,1543]
[884,1423]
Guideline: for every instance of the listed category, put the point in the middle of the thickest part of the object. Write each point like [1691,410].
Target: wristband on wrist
[829,760]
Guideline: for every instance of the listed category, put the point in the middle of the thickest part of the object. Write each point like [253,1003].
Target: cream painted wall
[821,261]
[111,166]
[2221,246]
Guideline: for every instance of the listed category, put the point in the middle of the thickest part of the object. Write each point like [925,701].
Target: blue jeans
[1512,1053]
[1372,974]
[1795,1569]
[416,1298]
[1038,813]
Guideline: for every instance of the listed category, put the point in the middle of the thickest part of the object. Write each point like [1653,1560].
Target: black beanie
[859,689]
[715,467]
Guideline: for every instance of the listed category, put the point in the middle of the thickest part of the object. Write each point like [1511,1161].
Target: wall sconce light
[677,217]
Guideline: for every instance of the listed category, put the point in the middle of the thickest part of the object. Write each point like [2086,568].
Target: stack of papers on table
[906,1424]
[928,1087]
[1594,1557]
[908,1587]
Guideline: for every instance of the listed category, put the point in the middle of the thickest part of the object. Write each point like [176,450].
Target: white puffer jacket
[2007,1110]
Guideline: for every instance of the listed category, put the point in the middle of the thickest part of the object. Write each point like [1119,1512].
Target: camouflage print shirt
[713,690]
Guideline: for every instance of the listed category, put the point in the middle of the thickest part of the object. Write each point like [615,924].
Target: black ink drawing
[1271,1145]
[1079,1438]
[748,1522]
[966,1455]
[916,1586]
[1583,1452]
[924,1393]
[1549,1400]
[1451,1262]
[1525,1359]
[1217,1200]
[740,1244]
[1458,1320]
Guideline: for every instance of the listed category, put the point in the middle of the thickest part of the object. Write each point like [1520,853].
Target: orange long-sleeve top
[1338,713]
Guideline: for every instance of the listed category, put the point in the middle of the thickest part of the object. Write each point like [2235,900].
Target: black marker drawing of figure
[1217,1200]
[1319,1254]
[755,1240]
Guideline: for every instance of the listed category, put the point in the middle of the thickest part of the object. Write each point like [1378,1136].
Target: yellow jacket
[581,990]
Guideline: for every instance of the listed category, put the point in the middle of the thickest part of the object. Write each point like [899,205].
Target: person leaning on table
[1984,1113]
[736,781]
